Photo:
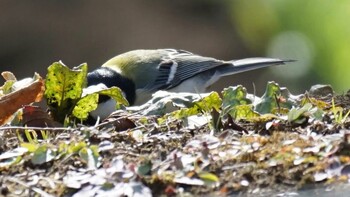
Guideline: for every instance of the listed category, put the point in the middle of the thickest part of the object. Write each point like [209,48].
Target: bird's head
[109,77]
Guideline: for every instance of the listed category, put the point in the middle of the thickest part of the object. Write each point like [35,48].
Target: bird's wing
[179,65]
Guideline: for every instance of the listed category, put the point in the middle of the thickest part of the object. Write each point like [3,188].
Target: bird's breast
[193,85]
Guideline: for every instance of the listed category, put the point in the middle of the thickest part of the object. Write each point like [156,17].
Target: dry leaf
[34,116]
[7,75]
[13,101]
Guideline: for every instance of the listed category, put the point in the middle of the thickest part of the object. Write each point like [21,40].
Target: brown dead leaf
[120,120]
[34,116]
[121,123]
[13,101]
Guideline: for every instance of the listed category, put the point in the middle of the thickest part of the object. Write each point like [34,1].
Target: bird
[140,73]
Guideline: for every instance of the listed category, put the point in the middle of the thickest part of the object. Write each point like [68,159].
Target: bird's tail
[242,65]
[247,64]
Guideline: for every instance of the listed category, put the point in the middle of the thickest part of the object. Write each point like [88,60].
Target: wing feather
[187,65]
[178,65]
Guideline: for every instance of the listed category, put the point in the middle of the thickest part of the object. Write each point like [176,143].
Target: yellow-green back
[145,61]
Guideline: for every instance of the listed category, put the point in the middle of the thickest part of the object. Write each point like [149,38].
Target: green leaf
[90,156]
[297,115]
[207,103]
[207,176]
[315,102]
[210,102]
[209,179]
[63,88]
[107,186]
[185,112]
[30,146]
[274,98]
[75,147]
[236,103]
[144,168]
[63,149]
[89,101]
[85,105]
[317,113]
[116,94]
[244,112]
[42,155]
[7,87]
[268,102]
[233,96]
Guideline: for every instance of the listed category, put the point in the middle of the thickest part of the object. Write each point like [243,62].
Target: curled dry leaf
[120,120]
[34,116]
[28,93]
[8,76]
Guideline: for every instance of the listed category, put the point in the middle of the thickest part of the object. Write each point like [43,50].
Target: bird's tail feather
[242,65]
[247,64]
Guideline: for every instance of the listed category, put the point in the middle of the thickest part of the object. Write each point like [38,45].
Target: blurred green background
[34,34]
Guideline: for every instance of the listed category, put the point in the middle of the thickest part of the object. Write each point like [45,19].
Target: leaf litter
[174,145]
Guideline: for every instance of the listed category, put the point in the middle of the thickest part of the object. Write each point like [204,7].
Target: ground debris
[136,154]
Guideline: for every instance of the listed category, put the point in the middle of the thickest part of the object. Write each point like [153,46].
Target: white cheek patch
[104,109]
[93,88]
[123,93]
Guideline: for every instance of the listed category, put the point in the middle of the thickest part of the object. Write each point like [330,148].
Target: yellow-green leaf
[85,105]
[244,112]
[208,177]
[30,146]
[42,155]
[233,96]
[116,94]
[76,147]
[90,156]
[63,88]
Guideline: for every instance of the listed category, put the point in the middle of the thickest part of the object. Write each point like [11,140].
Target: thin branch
[38,128]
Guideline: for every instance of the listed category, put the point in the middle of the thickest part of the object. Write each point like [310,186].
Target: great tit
[140,73]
